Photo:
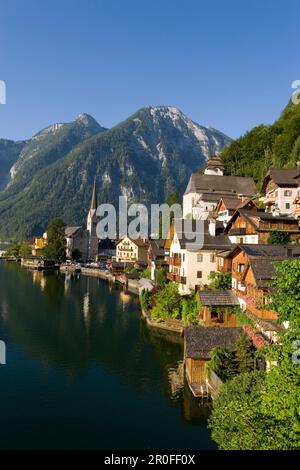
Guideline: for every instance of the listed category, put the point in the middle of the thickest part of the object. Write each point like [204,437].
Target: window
[199,274]
[212,258]
[241,267]
[183,257]
[287,205]
[221,261]
[200,258]
[287,193]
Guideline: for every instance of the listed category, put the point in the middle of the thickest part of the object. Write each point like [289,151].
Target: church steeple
[94,197]
[92,221]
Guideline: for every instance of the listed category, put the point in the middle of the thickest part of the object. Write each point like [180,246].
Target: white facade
[245,239]
[281,200]
[190,200]
[195,266]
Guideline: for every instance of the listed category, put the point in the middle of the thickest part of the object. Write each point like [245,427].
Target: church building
[92,221]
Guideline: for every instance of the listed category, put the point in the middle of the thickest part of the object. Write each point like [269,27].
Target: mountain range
[146,157]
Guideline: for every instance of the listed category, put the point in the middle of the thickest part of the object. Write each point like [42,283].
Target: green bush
[167,302]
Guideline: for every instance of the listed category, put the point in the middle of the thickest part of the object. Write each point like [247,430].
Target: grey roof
[266,216]
[264,271]
[71,231]
[218,297]
[157,247]
[223,185]
[235,203]
[251,216]
[273,251]
[199,229]
[200,340]
[283,176]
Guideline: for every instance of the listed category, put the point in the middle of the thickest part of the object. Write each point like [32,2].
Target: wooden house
[228,205]
[253,268]
[218,308]
[198,343]
[157,257]
[256,226]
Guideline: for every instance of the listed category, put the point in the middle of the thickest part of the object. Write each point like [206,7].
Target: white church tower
[214,166]
[92,221]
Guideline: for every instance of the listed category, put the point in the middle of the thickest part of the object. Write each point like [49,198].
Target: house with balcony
[280,188]
[254,226]
[227,206]
[191,264]
[130,250]
[204,191]
[157,257]
[253,269]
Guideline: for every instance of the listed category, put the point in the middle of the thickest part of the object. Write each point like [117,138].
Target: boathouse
[199,341]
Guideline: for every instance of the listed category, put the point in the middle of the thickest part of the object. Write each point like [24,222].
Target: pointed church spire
[94,196]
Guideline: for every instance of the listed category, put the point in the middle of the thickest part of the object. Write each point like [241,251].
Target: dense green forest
[264,147]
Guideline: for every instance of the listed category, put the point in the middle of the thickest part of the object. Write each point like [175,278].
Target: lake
[85,372]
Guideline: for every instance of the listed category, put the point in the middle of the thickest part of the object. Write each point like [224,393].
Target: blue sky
[228,64]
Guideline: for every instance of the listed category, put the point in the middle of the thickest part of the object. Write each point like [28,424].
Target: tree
[220,281]
[245,354]
[13,250]
[222,362]
[236,420]
[190,308]
[161,277]
[282,398]
[263,412]
[56,244]
[76,254]
[167,302]
[278,238]
[174,198]
[146,274]
[25,250]
[145,299]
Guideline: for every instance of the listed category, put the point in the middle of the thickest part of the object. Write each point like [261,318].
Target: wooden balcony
[261,313]
[171,276]
[238,231]
[174,261]
[176,278]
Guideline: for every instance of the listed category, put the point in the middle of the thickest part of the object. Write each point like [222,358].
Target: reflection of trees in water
[80,325]
[167,349]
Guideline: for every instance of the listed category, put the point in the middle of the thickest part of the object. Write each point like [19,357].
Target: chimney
[212,227]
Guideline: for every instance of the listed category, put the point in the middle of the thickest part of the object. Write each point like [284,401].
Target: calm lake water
[83,371]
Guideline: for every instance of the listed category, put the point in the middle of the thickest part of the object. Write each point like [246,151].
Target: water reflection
[73,324]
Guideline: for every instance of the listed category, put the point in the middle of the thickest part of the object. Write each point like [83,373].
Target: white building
[281,187]
[204,191]
[191,266]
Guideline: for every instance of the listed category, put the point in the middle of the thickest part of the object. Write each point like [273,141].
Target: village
[214,296]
